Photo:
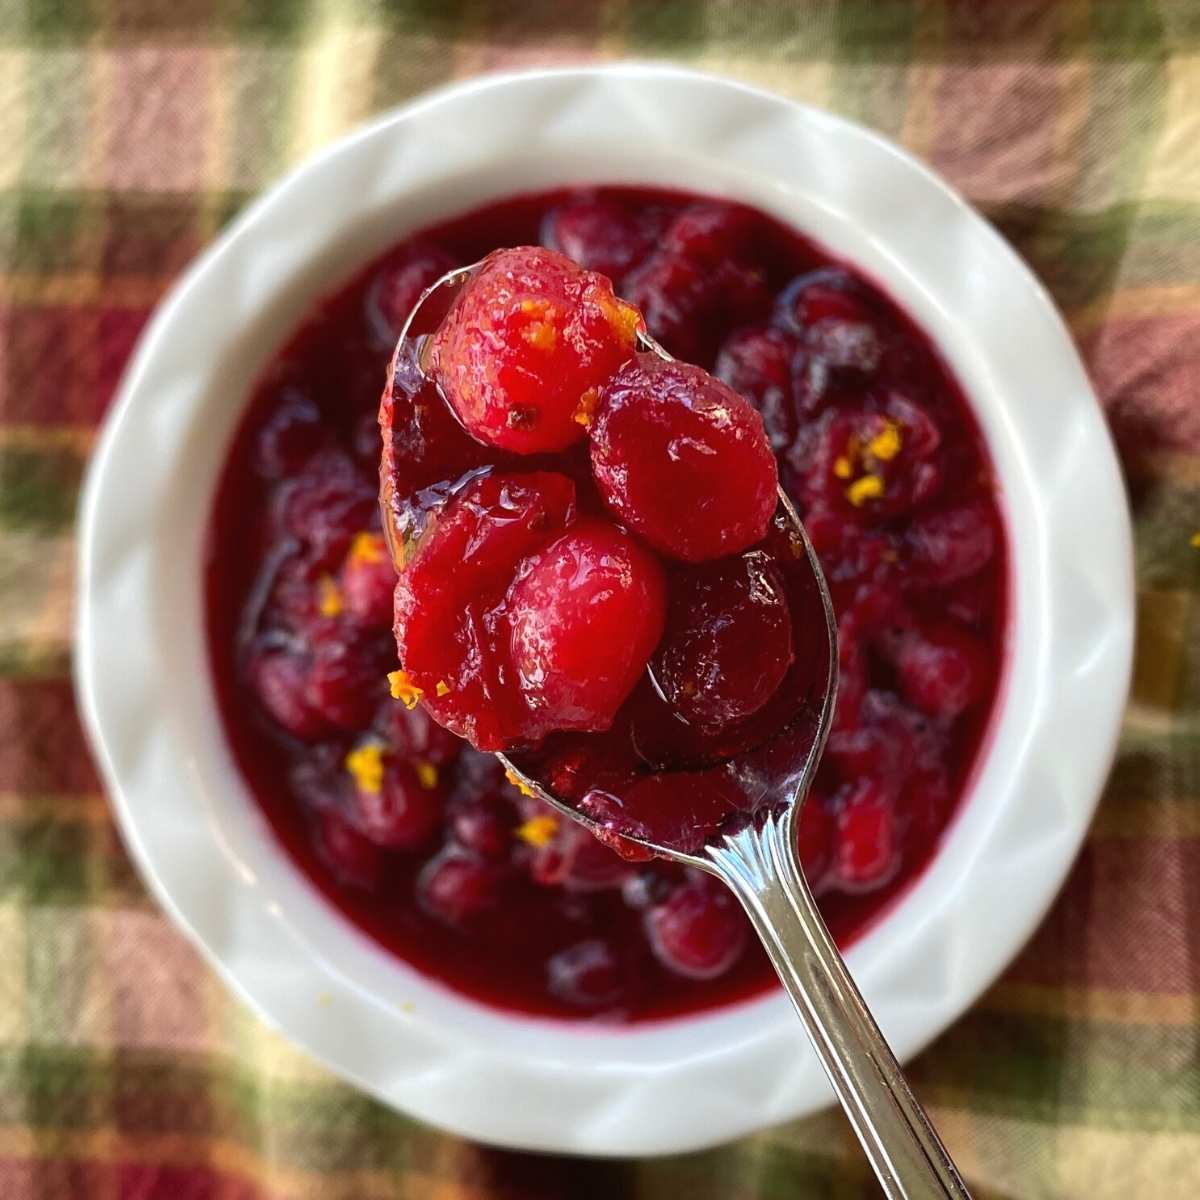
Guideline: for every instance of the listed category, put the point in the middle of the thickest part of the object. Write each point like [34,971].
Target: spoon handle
[902,1146]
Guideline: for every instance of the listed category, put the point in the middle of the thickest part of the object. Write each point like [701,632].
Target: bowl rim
[216,869]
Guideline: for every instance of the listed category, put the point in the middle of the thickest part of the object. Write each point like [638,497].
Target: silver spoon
[761,865]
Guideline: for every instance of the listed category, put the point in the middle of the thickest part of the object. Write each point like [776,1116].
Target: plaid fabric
[130,131]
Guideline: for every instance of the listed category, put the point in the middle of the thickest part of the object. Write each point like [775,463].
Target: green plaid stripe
[125,1070]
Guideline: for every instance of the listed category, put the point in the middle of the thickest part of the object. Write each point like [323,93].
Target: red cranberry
[397,287]
[953,544]
[585,613]
[942,670]
[530,338]
[848,348]
[345,683]
[291,437]
[414,735]
[400,813]
[711,234]
[368,580]
[326,505]
[484,827]
[698,932]
[830,292]
[728,643]
[575,860]
[279,679]
[679,301]
[600,235]
[456,887]
[355,859]
[648,885]
[589,974]
[757,363]
[867,853]
[683,460]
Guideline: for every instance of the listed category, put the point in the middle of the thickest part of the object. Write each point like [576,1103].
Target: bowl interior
[214,862]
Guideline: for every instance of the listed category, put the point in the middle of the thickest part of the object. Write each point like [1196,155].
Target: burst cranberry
[699,931]
[942,670]
[291,437]
[867,853]
[368,580]
[355,859]
[397,286]
[586,613]
[397,811]
[528,341]
[279,679]
[589,974]
[757,363]
[683,460]
[456,574]
[728,643]
[599,235]
[456,887]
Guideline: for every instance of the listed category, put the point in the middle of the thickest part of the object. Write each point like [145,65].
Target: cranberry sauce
[419,839]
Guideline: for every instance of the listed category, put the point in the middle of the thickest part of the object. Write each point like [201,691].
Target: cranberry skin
[456,887]
[397,286]
[942,670]
[683,460]
[600,235]
[757,363]
[279,679]
[402,814]
[291,437]
[346,683]
[728,643]
[586,613]
[368,580]
[831,292]
[589,974]
[698,932]
[524,343]
[868,851]
[353,857]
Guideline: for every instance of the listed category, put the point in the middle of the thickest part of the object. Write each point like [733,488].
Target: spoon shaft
[902,1146]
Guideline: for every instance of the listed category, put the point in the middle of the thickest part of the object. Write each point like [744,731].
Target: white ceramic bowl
[143,676]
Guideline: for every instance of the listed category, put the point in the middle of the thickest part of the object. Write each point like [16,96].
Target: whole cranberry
[867,853]
[683,460]
[946,546]
[346,683]
[456,887]
[484,826]
[354,858]
[292,435]
[600,235]
[397,286]
[398,812]
[279,679]
[415,736]
[589,974]
[368,580]
[757,363]
[814,839]
[941,669]
[585,614]
[728,643]
[698,931]
[327,504]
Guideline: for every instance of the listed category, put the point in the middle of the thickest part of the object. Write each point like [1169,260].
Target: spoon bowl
[754,852]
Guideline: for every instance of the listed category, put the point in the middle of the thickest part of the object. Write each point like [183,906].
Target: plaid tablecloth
[131,131]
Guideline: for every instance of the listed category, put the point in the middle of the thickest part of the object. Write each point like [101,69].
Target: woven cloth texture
[132,130]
